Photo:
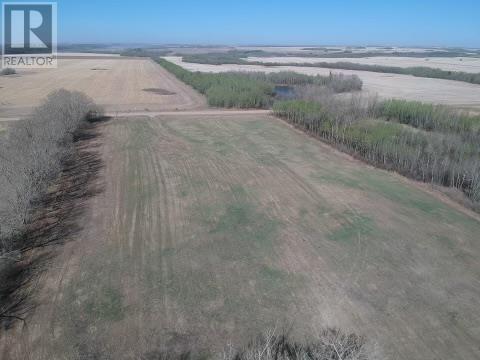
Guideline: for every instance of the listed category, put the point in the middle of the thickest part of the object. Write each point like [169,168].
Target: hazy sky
[303,22]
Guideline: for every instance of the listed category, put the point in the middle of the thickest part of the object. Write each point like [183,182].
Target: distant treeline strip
[236,57]
[418,71]
[334,53]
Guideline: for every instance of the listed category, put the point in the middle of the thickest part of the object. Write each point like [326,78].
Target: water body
[284,92]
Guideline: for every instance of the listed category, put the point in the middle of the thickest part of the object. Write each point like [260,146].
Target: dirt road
[212,112]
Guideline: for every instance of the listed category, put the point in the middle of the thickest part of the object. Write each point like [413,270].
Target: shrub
[331,344]
[430,117]
[32,152]
[228,57]
[8,71]
[344,83]
[253,90]
[337,82]
[226,89]
[32,155]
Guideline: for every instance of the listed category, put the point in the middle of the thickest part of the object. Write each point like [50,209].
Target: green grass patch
[106,304]
[421,141]
[192,286]
[337,179]
[400,193]
[94,297]
[446,241]
[353,226]
[141,134]
[242,231]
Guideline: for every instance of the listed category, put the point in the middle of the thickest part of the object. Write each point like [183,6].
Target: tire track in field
[152,220]
[281,185]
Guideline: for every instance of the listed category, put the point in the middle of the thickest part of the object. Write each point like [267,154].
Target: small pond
[284,92]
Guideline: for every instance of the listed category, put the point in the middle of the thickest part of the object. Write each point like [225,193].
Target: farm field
[359,49]
[118,84]
[221,180]
[454,93]
[215,227]
[465,64]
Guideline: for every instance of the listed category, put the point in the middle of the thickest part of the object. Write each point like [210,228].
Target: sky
[279,22]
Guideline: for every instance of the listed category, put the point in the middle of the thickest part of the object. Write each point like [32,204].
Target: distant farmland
[465,64]
[115,82]
[454,93]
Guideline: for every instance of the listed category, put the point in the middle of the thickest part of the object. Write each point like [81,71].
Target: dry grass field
[407,87]
[360,49]
[118,84]
[212,228]
[465,64]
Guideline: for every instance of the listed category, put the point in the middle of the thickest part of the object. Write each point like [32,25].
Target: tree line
[418,140]
[33,152]
[417,71]
[238,57]
[255,89]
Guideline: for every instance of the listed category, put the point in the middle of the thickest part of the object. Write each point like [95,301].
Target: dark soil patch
[159,91]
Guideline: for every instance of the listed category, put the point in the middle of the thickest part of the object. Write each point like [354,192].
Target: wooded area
[255,89]
[33,153]
[425,142]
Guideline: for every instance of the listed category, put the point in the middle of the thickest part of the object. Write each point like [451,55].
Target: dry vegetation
[437,91]
[8,71]
[331,344]
[33,154]
[212,228]
[254,90]
[220,227]
[118,86]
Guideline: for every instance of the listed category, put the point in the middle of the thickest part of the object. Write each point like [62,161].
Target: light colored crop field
[214,228]
[454,93]
[118,84]
[465,64]
[83,55]
[333,49]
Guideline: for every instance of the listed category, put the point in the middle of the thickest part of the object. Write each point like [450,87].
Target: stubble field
[119,84]
[465,64]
